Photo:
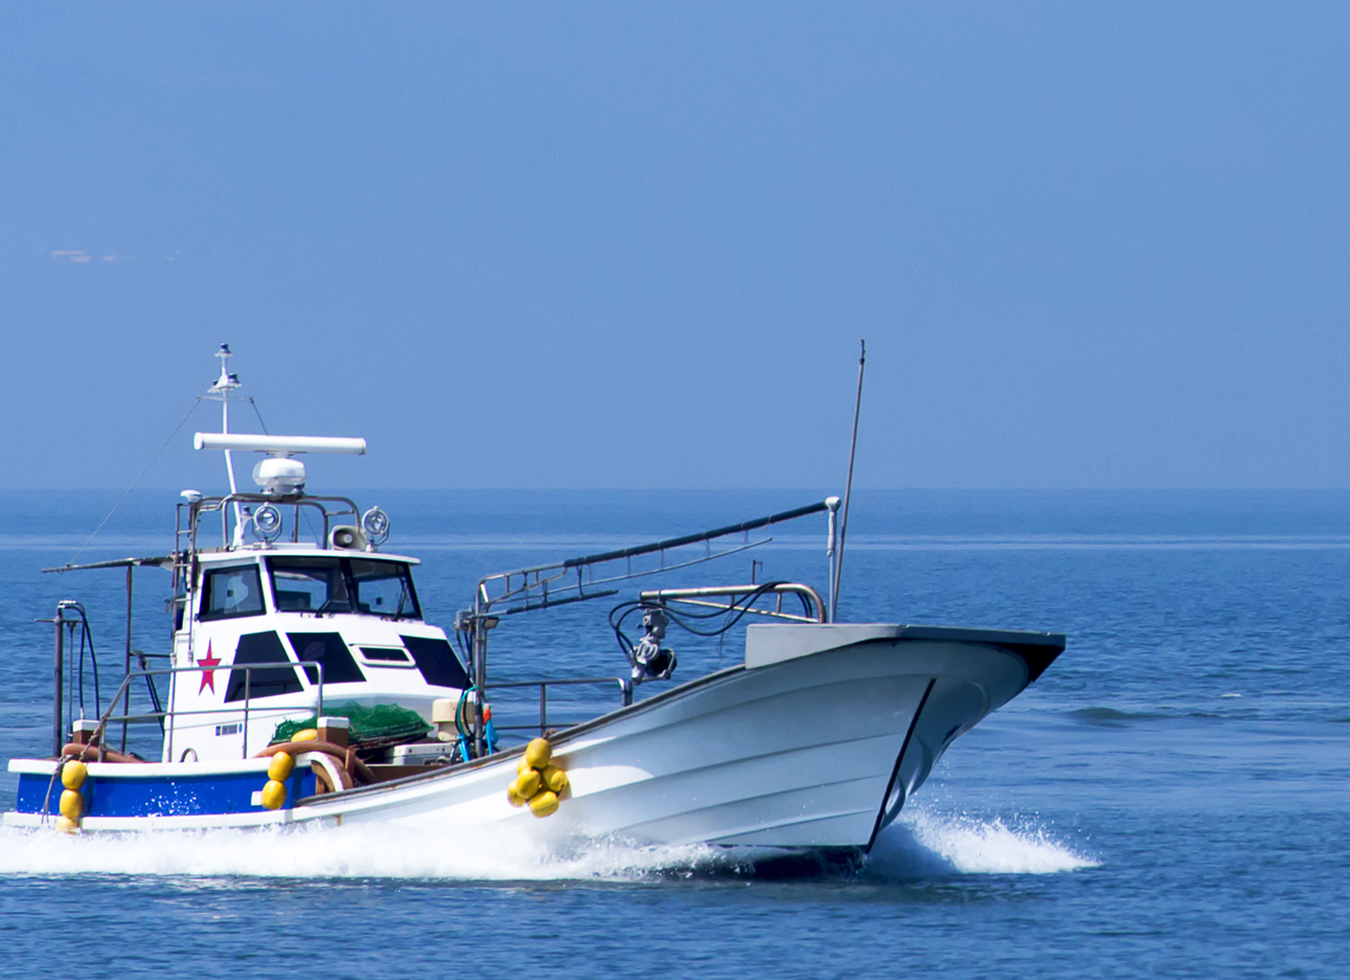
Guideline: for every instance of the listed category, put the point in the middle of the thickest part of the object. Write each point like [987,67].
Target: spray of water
[921,846]
[926,844]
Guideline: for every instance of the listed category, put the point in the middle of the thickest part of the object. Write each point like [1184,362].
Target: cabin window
[436,661]
[231,592]
[261,648]
[384,588]
[386,656]
[309,585]
[344,585]
[339,666]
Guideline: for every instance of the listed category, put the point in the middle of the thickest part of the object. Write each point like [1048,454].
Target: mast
[222,391]
[848,485]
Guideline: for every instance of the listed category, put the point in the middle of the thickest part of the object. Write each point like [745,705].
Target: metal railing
[185,533]
[813,606]
[167,716]
[625,692]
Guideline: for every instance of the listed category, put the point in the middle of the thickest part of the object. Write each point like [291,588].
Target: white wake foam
[920,845]
[923,844]
[347,852]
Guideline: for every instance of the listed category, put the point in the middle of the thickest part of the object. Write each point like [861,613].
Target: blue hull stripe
[162,796]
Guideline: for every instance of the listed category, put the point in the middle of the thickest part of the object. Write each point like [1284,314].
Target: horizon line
[784,489]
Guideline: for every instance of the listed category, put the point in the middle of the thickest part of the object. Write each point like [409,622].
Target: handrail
[169,714]
[206,505]
[625,689]
[694,597]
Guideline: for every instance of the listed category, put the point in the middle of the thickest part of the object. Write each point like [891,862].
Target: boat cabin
[269,630]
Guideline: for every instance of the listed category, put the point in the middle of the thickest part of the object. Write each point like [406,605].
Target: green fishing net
[387,723]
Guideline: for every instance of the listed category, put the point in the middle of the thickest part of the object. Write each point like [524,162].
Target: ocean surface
[1172,798]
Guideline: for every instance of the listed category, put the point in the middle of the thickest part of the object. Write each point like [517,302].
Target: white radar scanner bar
[278,444]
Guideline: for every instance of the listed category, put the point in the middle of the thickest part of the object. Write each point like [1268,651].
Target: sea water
[1171,798]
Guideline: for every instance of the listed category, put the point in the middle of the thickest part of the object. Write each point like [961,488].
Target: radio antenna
[848,485]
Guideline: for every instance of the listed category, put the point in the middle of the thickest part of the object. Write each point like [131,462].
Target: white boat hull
[801,753]
[814,749]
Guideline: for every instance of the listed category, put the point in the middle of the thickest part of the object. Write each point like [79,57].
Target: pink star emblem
[209,674]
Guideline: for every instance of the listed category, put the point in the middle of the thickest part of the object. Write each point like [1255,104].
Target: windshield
[383,588]
[344,585]
[309,585]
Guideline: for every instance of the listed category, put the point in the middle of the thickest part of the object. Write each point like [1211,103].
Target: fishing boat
[302,686]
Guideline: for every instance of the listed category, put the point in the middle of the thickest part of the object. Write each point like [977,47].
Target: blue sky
[635,245]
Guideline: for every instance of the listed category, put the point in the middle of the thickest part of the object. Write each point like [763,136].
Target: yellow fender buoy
[527,784]
[274,794]
[73,774]
[543,803]
[537,782]
[280,767]
[305,735]
[72,804]
[555,779]
[538,753]
[67,826]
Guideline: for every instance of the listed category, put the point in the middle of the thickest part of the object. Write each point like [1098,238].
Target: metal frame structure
[548,585]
